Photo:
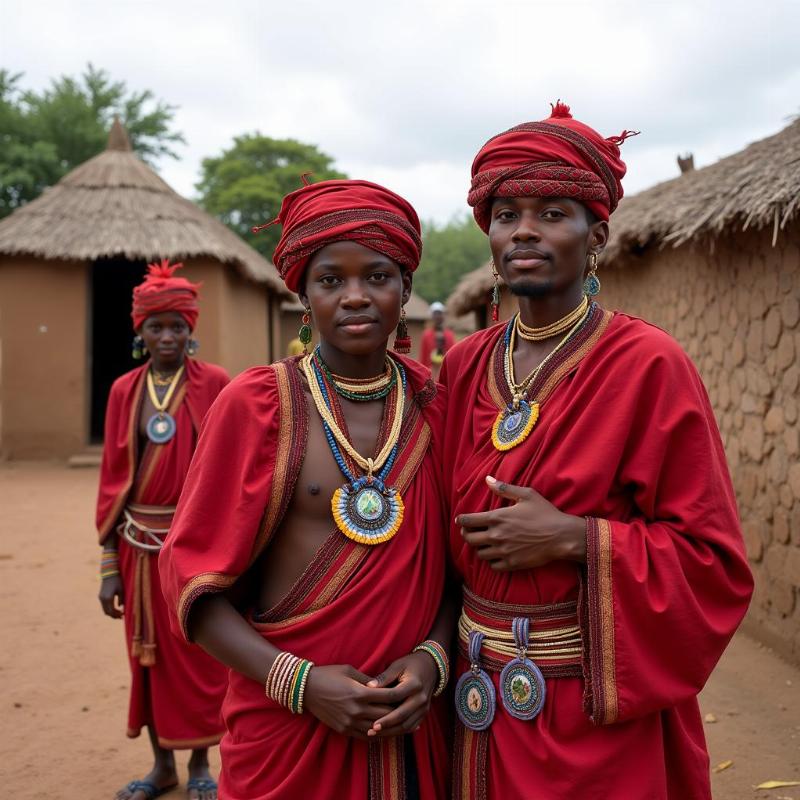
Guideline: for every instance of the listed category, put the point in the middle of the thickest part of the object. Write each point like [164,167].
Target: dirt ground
[64,674]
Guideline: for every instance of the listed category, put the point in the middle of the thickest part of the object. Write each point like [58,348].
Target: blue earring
[192,346]
[591,286]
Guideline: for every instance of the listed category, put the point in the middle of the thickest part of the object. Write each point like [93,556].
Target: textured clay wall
[43,389]
[736,313]
[233,327]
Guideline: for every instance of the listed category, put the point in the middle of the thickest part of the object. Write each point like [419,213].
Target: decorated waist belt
[144,528]
[526,644]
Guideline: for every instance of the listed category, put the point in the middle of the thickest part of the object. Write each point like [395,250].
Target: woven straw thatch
[472,291]
[758,187]
[115,205]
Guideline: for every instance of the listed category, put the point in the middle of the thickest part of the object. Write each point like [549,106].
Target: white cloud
[406,93]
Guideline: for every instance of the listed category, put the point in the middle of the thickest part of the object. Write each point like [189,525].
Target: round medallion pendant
[160,427]
[475,700]
[522,688]
[367,512]
[513,425]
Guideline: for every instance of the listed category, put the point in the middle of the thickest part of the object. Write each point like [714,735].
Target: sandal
[150,790]
[201,785]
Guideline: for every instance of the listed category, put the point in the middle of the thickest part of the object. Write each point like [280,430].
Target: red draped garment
[627,438]
[182,688]
[353,604]
[427,345]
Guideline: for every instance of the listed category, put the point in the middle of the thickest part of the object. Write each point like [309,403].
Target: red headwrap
[333,211]
[162,291]
[558,157]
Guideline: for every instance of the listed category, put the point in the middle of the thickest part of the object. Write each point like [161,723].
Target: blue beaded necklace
[365,509]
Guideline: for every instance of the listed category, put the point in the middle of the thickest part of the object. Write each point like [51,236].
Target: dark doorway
[113,280]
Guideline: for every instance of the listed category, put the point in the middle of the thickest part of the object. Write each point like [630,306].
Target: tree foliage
[43,135]
[244,186]
[449,252]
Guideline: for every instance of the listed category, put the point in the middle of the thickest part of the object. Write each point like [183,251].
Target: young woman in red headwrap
[593,520]
[152,420]
[308,549]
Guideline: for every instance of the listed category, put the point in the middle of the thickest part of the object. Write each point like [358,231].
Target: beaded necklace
[559,326]
[365,509]
[517,419]
[161,426]
[359,389]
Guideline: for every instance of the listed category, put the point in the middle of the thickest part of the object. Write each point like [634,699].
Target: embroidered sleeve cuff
[597,622]
[201,584]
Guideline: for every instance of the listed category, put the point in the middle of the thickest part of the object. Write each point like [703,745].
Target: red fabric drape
[628,438]
[354,604]
[185,685]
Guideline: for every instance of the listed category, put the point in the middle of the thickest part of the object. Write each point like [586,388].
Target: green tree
[43,135]
[449,252]
[244,186]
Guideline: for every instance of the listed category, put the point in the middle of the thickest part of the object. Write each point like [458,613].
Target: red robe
[185,685]
[428,345]
[354,604]
[626,437]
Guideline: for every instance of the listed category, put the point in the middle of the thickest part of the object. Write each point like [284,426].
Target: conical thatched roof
[115,205]
[758,187]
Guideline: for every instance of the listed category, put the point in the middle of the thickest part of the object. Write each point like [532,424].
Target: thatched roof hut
[68,263]
[116,205]
[754,189]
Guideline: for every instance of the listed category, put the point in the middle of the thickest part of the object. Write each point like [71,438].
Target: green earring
[305,331]
[138,349]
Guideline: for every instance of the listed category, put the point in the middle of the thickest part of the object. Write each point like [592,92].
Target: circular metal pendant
[522,688]
[513,425]
[368,513]
[160,427]
[475,700]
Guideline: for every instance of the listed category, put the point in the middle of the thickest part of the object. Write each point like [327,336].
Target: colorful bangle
[439,656]
[286,681]
[109,564]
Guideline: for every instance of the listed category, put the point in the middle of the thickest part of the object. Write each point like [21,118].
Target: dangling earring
[495,294]
[591,286]
[305,330]
[138,351]
[402,339]
[192,346]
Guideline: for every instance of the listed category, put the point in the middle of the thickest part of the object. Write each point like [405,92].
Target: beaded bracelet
[109,564]
[286,681]
[438,654]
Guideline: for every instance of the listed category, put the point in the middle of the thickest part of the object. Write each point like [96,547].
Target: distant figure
[153,418]
[295,348]
[436,340]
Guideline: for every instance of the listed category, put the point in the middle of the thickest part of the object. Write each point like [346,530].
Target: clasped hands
[391,704]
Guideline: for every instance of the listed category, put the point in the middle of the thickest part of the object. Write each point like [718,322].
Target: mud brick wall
[736,311]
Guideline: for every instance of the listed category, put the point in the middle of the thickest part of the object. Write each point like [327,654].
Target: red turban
[333,211]
[162,291]
[558,157]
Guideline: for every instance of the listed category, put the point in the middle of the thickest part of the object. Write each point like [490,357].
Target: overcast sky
[405,92]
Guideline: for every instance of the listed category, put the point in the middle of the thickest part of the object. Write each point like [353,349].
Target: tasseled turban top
[321,213]
[557,157]
[162,291]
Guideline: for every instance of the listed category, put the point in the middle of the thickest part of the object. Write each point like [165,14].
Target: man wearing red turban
[152,421]
[323,471]
[593,521]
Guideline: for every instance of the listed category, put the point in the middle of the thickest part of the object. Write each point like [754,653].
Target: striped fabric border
[601,700]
